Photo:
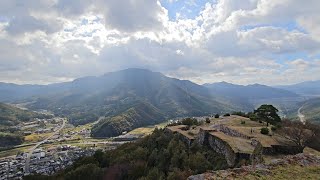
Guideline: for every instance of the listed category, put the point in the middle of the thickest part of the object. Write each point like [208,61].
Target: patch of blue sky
[69,29]
[316,56]
[289,26]
[284,58]
[4,19]
[88,34]
[84,21]
[186,8]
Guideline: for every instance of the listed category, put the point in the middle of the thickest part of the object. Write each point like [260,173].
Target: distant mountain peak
[224,82]
[257,85]
[134,71]
[218,83]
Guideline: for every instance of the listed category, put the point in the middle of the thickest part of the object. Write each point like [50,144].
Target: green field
[12,152]
[147,129]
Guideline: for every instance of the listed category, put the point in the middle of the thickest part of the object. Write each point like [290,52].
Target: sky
[249,41]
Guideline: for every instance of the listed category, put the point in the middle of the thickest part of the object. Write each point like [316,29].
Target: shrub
[207,120]
[264,131]
[239,113]
[227,114]
[216,116]
[252,116]
[190,121]
[243,122]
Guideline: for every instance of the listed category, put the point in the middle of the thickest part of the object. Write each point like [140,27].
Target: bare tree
[298,133]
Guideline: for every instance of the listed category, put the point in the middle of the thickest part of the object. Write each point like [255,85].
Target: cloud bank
[270,42]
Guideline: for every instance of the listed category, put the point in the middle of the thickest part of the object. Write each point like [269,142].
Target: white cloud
[299,64]
[130,16]
[44,41]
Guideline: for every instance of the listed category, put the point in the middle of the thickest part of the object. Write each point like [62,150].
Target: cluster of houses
[71,135]
[42,161]
[40,126]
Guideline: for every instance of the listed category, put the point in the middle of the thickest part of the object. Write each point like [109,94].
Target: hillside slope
[311,110]
[11,116]
[139,115]
[300,166]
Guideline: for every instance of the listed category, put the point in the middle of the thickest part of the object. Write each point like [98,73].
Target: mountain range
[138,97]
[310,88]
[244,96]
[254,91]
[130,98]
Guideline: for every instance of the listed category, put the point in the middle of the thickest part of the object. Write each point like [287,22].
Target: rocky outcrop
[301,160]
[223,148]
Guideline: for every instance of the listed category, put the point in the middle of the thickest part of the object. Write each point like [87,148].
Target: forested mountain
[304,88]
[127,98]
[139,115]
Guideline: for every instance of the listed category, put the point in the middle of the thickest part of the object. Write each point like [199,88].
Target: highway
[27,165]
[301,116]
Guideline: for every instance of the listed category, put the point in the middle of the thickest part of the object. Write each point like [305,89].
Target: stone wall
[223,148]
[206,138]
[186,140]
[282,149]
[231,132]
[256,156]
[203,136]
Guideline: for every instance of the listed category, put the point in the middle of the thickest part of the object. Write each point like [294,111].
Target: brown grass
[36,137]
[237,144]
